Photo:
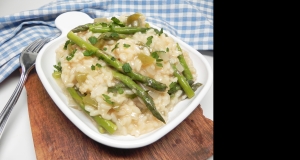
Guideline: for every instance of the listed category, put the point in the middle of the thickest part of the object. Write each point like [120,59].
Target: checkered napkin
[190,20]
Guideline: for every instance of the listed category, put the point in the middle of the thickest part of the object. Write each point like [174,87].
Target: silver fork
[27,61]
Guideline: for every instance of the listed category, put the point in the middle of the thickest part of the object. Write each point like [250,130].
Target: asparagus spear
[195,86]
[101,29]
[112,35]
[183,82]
[108,125]
[140,92]
[115,63]
[122,30]
[186,72]
[85,27]
[174,87]
[81,28]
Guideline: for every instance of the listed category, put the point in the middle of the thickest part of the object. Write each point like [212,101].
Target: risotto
[126,75]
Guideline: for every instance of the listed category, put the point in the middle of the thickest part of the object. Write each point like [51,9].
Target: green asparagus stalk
[195,86]
[112,35]
[174,87]
[115,63]
[140,92]
[186,72]
[85,27]
[121,30]
[108,125]
[120,87]
[148,81]
[183,83]
[81,28]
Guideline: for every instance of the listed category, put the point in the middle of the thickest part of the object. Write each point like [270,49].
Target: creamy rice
[131,116]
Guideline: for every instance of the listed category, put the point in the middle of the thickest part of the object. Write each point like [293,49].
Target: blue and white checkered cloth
[190,20]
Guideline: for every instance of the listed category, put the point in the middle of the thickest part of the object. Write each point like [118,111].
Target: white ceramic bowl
[44,67]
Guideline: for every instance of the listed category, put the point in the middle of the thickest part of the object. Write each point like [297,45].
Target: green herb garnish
[93,40]
[149,40]
[116,46]
[69,57]
[126,45]
[58,67]
[126,68]
[98,65]
[106,98]
[93,67]
[117,22]
[88,53]
[66,44]
[57,73]
[159,32]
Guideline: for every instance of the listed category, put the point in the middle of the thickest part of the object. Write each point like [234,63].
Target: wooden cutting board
[55,137]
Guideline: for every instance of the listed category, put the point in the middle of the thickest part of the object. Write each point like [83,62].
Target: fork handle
[4,115]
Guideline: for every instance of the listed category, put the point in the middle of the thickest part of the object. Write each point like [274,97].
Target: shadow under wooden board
[56,137]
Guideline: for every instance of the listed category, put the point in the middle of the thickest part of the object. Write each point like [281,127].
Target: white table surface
[16,142]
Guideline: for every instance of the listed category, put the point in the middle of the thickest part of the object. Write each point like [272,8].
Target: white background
[16,142]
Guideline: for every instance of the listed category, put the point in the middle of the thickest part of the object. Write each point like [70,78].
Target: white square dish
[44,67]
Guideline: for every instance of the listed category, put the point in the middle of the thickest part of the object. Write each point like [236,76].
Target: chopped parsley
[66,44]
[149,40]
[58,67]
[126,45]
[113,58]
[57,73]
[106,98]
[69,57]
[93,67]
[154,55]
[159,32]
[158,64]
[98,65]
[114,35]
[93,40]
[103,24]
[88,53]
[120,90]
[157,58]
[116,46]
[117,22]
[126,68]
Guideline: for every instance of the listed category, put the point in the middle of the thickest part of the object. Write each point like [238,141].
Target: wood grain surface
[57,138]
